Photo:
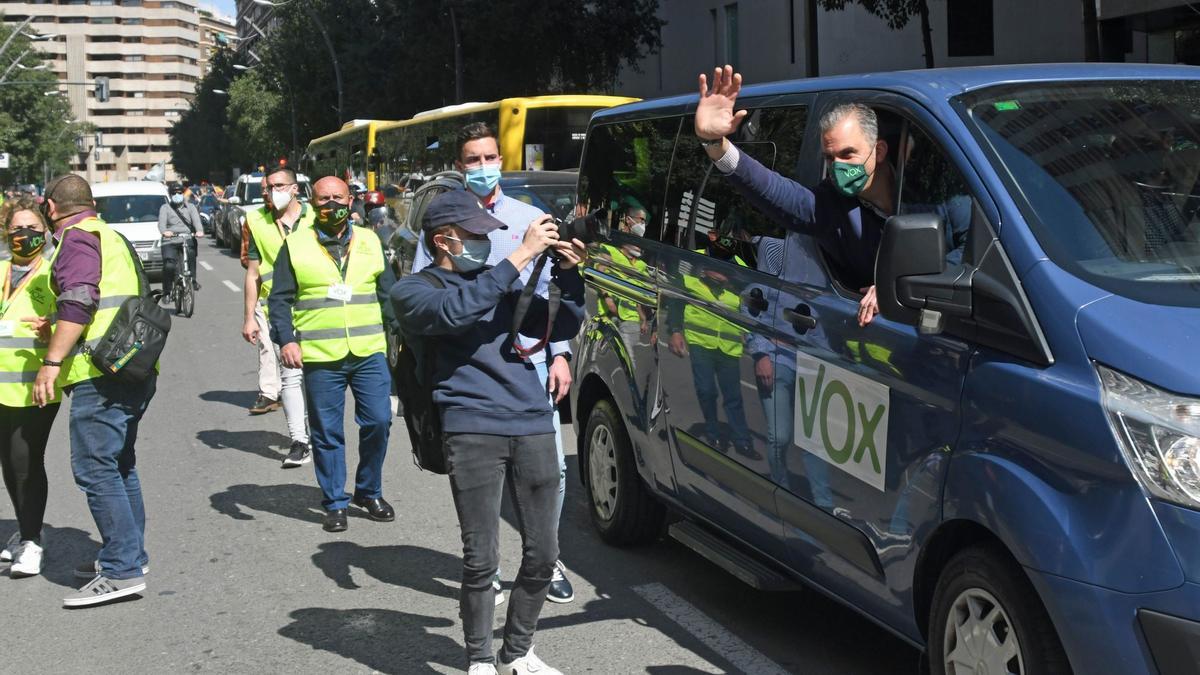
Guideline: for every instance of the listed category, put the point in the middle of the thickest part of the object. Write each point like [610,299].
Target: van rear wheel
[622,508]
[987,618]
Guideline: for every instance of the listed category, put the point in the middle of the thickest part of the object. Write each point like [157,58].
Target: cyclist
[175,218]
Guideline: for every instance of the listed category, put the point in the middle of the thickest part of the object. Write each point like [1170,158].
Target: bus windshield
[554,137]
[1110,177]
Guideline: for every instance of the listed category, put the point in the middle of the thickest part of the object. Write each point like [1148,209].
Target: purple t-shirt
[76,271]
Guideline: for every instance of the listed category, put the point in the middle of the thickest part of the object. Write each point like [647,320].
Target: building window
[969,28]
[731,34]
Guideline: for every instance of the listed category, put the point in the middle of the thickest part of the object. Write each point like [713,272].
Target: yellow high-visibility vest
[118,283]
[268,239]
[21,353]
[329,328]
[702,328]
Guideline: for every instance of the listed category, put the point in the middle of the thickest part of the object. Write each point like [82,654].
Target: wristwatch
[565,355]
[713,142]
[48,362]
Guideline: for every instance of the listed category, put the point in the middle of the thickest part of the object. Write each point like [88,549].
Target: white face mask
[280,200]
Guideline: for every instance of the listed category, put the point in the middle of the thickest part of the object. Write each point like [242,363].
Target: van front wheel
[987,618]
[623,510]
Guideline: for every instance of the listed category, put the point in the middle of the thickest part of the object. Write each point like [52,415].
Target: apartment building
[784,39]
[150,51]
[216,32]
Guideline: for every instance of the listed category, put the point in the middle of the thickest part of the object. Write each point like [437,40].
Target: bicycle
[182,292]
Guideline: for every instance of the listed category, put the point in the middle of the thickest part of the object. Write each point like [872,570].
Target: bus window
[554,137]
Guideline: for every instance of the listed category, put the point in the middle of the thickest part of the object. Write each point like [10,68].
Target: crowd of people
[319,301]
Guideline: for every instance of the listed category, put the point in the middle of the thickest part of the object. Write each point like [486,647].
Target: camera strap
[554,298]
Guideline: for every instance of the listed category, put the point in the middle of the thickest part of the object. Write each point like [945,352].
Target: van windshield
[129,208]
[1107,174]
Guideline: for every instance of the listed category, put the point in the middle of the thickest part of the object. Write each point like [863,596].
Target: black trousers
[170,254]
[23,436]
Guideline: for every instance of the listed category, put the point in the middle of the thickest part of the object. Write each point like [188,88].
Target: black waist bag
[414,387]
[131,346]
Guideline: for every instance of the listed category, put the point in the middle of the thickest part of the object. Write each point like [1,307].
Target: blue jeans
[713,369]
[543,373]
[371,384]
[104,425]
[779,408]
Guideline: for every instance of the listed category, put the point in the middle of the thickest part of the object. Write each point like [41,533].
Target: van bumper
[1105,631]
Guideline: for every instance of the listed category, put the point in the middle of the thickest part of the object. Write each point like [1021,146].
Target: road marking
[206,266]
[733,649]
[230,285]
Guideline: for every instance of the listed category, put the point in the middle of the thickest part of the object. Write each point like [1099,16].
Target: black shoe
[299,454]
[335,521]
[195,285]
[560,587]
[377,508]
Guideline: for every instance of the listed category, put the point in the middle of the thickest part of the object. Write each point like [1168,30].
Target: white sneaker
[481,669]
[529,663]
[14,542]
[27,560]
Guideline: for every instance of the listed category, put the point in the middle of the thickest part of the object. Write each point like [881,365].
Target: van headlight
[1159,434]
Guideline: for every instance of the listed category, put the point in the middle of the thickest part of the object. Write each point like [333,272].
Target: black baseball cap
[458,207]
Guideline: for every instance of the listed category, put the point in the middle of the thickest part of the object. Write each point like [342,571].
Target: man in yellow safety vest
[327,308]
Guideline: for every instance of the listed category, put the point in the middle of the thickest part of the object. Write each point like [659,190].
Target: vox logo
[842,418]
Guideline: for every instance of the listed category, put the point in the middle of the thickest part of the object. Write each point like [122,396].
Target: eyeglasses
[279,186]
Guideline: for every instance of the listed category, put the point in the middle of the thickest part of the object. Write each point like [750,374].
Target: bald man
[328,307]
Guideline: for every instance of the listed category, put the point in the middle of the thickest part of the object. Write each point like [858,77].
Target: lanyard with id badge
[8,327]
[341,292]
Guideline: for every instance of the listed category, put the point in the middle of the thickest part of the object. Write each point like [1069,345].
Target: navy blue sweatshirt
[479,384]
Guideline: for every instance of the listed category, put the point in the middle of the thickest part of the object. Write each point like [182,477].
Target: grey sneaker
[92,570]
[299,454]
[10,548]
[102,589]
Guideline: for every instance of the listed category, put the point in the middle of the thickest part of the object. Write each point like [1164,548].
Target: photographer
[496,418]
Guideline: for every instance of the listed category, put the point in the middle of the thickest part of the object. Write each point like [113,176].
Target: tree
[37,131]
[200,146]
[398,58]
[896,13]
[255,120]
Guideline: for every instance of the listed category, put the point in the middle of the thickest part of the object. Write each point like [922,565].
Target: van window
[1108,178]
[708,216]
[930,183]
[129,208]
[625,168]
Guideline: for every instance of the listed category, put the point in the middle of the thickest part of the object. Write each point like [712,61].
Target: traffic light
[101,89]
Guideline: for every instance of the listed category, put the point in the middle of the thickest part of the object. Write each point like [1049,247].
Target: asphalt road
[244,580]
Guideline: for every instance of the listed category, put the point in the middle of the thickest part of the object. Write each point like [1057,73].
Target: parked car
[220,225]
[209,205]
[131,208]
[1003,468]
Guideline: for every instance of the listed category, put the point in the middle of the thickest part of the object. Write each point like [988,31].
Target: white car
[248,192]
[131,208]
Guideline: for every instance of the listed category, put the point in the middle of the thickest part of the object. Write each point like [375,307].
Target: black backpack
[131,346]
[413,375]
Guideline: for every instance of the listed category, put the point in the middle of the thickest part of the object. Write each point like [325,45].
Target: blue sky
[225,7]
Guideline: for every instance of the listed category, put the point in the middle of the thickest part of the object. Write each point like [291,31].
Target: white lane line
[230,285]
[733,649]
[206,266]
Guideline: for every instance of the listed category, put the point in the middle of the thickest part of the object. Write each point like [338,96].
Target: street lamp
[337,69]
[219,92]
[40,66]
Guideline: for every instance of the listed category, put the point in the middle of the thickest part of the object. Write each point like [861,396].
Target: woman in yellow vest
[24,427]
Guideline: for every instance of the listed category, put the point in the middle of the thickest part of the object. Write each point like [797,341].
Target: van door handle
[801,318]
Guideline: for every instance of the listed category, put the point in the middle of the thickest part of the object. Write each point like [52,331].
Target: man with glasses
[264,232]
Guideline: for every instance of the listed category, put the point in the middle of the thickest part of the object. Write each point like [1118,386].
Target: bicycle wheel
[177,295]
[187,300]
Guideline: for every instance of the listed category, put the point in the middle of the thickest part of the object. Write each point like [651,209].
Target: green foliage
[398,58]
[37,131]
[200,148]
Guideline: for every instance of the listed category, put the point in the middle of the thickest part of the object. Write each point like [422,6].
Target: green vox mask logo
[842,418]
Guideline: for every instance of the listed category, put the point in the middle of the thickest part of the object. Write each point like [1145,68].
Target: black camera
[589,228]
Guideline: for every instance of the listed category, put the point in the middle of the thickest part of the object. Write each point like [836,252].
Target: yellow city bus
[535,133]
[347,153]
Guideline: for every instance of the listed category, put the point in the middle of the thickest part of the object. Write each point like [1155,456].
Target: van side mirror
[236,201]
[912,284]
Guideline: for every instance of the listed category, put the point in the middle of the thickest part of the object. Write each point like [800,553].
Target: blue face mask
[474,254]
[483,179]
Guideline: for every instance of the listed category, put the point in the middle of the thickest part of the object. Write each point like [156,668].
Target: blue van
[1003,467]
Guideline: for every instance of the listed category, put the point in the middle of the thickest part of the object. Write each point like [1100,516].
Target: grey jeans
[480,466]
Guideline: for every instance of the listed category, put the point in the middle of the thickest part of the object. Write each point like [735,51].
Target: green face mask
[849,178]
